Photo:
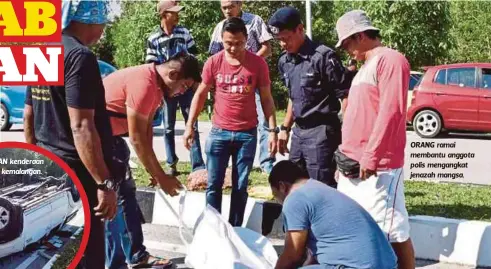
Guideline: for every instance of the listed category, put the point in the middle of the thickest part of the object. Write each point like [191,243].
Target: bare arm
[197,104]
[288,121]
[88,143]
[29,125]
[295,246]
[150,131]
[140,134]
[267,103]
[265,50]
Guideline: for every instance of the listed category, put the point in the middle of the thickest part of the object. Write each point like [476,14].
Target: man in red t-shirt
[132,96]
[235,73]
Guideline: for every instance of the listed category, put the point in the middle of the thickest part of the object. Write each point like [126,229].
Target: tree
[418,29]
[470,31]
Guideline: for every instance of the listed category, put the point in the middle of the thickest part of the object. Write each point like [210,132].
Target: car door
[457,97]
[485,100]
[16,96]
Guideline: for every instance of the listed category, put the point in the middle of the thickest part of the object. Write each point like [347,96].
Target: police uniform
[316,80]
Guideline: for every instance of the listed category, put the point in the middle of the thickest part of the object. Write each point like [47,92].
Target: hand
[188,137]
[152,183]
[310,259]
[283,142]
[107,207]
[273,144]
[366,173]
[169,185]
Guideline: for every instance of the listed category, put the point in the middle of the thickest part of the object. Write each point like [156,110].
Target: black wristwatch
[284,128]
[108,184]
[274,130]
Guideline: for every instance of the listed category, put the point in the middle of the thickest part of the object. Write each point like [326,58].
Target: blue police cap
[285,18]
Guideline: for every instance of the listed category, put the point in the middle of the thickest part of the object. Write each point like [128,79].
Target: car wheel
[11,221]
[4,118]
[427,124]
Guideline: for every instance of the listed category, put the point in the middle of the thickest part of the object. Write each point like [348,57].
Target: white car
[30,212]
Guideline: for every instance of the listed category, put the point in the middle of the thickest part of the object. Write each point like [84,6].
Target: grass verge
[68,252]
[450,200]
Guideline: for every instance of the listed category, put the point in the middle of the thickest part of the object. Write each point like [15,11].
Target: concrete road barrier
[434,238]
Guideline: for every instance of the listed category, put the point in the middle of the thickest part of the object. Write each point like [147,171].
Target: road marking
[28,261]
[156,245]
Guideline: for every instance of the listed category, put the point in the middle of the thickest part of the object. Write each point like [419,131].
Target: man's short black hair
[286,172]
[190,67]
[234,25]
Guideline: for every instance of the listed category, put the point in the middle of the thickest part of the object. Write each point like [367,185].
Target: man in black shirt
[72,122]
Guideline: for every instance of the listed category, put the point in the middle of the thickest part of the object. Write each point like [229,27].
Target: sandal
[154,262]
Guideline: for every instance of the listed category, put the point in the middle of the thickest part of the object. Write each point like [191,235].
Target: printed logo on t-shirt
[235,84]
[41,93]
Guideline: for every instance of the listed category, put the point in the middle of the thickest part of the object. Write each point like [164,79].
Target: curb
[434,238]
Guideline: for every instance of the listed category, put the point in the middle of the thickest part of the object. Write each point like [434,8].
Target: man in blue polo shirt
[325,228]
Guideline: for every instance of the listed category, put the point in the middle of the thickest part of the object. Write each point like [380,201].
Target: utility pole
[308,18]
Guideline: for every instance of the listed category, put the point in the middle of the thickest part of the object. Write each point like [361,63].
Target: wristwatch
[283,128]
[108,184]
[274,130]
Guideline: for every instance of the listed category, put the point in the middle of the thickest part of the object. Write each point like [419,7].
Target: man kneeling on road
[132,97]
[325,228]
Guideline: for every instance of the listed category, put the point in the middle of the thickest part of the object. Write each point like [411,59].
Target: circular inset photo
[42,206]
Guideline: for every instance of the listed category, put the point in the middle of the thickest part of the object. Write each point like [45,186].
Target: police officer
[316,80]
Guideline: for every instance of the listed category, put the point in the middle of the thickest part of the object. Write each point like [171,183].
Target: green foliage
[131,30]
[418,29]
[427,32]
[470,31]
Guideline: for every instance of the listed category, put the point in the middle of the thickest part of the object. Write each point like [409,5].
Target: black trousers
[94,256]
[314,149]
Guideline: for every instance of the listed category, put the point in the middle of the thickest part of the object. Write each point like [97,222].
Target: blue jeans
[170,109]
[265,161]
[124,234]
[220,145]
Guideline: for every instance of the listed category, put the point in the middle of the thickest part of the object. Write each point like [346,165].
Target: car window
[413,81]
[441,77]
[105,69]
[463,77]
[486,78]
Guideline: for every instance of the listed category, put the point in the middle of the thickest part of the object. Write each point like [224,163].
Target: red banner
[30,21]
[31,65]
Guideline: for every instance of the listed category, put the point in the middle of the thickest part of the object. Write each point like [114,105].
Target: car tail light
[413,97]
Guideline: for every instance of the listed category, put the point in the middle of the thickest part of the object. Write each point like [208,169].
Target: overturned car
[30,211]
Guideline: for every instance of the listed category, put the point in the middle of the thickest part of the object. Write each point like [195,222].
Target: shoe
[266,170]
[172,170]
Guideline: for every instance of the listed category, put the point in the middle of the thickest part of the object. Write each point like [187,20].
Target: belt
[326,120]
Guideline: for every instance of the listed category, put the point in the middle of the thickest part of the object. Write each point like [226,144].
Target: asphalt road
[471,162]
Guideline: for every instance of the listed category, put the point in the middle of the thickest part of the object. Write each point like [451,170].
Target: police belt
[314,121]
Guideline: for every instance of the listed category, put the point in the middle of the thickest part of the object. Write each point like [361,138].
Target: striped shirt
[160,46]
[256,29]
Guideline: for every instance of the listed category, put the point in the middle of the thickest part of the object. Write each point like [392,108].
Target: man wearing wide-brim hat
[371,156]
